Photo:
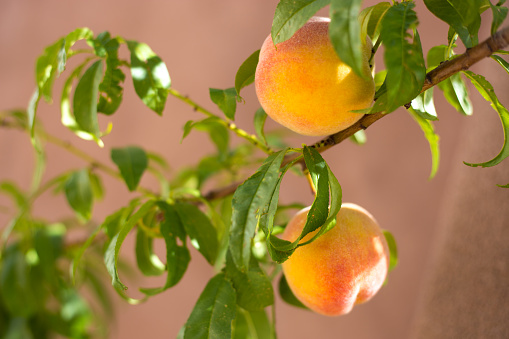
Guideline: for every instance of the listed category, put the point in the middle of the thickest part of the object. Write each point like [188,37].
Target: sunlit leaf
[67,117]
[486,90]
[359,137]
[501,62]
[345,33]
[214,312]
[371,19]
[393,249]
[246,72]
[424,105]
[462,15]
[433,139]
[110,89]
[403,57]
[226,100]
[150,76]
[148,262]
[454,89]
[132,162]
[249,201]
[291,15]
[48,66]
[78,192]
[85,99]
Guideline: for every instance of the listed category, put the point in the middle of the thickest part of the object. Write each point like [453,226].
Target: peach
[303,85]
[344,267]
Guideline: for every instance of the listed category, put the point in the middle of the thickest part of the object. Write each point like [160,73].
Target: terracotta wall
[203,43]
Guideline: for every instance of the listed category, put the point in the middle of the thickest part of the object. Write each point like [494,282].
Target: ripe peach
[344,267]
[303,85]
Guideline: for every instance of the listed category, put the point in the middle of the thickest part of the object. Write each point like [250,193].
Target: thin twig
[227,123]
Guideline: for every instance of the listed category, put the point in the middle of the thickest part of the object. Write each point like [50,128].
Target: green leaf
[424,105]
[151,79]
[226,100]
[19,328]
[148,262]
[67,117]
[291,15]
[113,250]
[15,283]
[436,55]
[49,65]
[17,195]
[499,15]
[335,202]
[246,73]
[78,192]
[501,62]
[320,176]
[455,92]
[320,215]
[199,228]
[453,88]
[52,62]
[132,162]
[462,15]
[49,245]
[359,137]
[345,33]
[250,325]
[403,58]
[217,131]
[214,312]
[177,256]
[110,89]
[393,249]
[81,251]
[96,185]
[253,287]
[85,99]
[287,295]
[250,200]
[486,90]
[259,123]
[433,139]
[371,19]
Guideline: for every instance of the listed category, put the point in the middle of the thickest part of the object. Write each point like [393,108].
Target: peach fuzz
[344,267]
[303,85]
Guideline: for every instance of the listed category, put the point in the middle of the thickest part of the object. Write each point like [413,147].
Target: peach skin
[303,85]
[344,267]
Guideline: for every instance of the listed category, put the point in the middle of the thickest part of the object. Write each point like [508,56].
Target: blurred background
[202,44]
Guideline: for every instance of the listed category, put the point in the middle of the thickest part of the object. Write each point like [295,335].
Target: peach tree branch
[498,41]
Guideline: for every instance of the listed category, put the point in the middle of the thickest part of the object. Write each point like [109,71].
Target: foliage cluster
[234,227]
